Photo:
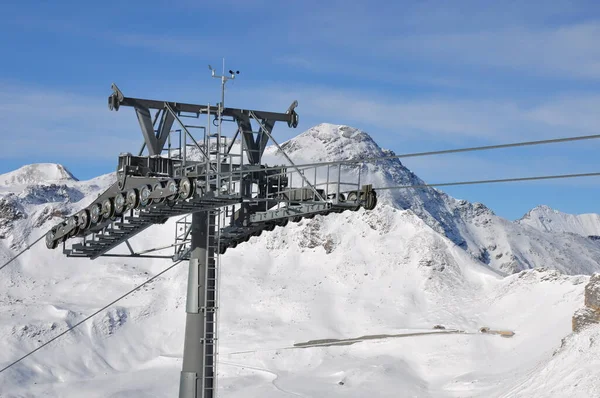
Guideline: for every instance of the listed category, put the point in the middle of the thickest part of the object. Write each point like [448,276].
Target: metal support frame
[154,141]
[248,198]
[267,131]
[116,100]
[184,127]
[255,146]
[198,374]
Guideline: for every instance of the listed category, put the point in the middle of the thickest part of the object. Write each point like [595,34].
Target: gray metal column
[197,375]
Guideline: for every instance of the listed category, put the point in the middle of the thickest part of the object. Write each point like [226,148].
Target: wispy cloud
[436,117]
[36,122]
[570,50]
[368,72]
[557,39]
[170,43]
[579,111]
[298,61]
[165,44]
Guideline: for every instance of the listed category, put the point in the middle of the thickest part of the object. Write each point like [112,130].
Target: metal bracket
[255,147]
[115,99]
[289,212]
[268,133]
[293,122]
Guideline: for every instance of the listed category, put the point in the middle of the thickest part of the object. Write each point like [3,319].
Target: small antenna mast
[224,80]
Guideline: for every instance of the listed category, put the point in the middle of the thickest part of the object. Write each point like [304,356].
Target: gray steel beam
[290,212]
[250,145]
[197,380]
[145,120]
[198,109]
[164,129]
[263,139]
[254,146]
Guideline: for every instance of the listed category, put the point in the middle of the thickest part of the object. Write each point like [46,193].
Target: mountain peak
[332,142]
[547,219]
[544,209]
[37,173]
[329,132]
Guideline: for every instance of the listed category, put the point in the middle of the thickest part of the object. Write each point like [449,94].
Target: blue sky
[416,75]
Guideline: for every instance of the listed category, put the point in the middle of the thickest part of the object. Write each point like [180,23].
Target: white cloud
[569,51]
[579,111]
[298,61]
[165,44]
[557,39]
[435,117]
[50,123]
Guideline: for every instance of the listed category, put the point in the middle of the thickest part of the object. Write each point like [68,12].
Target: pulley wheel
[186,188]
[269,227]
[157,187]
[133,199]
[83,218]
[370,200]
[74,225]
[145,192]
[51,243]
[108,208]
[170,202]
[172,189]
[95,213]
[353,196]
[120,203]
[64,237]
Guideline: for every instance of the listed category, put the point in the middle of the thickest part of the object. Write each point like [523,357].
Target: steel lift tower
[223,194]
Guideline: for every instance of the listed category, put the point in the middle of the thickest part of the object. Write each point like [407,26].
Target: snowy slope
[572,371]
[547,219]
[407,279]
[395,270]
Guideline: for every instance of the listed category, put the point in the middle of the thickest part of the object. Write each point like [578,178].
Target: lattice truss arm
[188,167]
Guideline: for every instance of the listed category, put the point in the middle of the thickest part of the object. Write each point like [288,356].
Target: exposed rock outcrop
[592,293]
[590,313]
[10,211]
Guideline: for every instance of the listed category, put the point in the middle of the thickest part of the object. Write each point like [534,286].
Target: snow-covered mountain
[420,259]
[35,195]
[33,174]
[502,244]
[547,219]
